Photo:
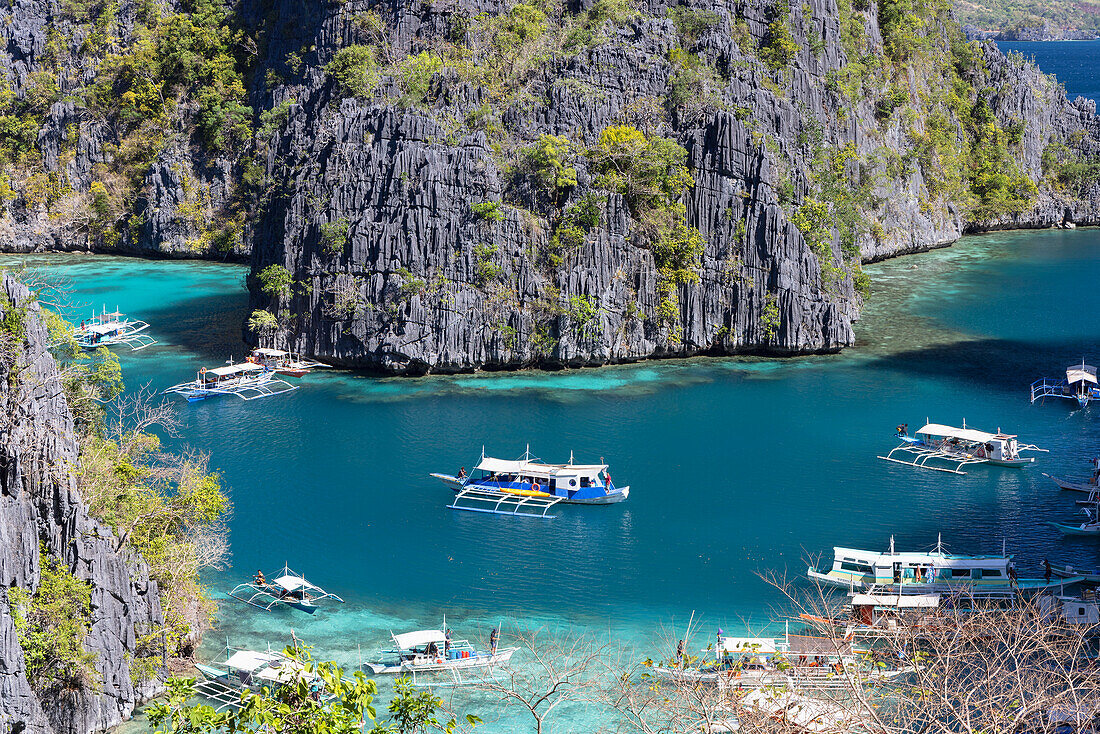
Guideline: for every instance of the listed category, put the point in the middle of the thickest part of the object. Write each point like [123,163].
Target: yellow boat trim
[525,492]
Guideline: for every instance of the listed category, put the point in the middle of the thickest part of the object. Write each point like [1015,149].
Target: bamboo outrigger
[107,329]
[954,448]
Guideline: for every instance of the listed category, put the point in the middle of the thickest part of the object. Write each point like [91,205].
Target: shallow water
[736,465]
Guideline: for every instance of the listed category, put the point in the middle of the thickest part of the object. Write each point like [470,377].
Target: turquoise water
[736,466]
[1074,63]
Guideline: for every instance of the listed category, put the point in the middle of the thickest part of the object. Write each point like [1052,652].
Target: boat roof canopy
[904,601]
[1081,373]
[294,583]
[269,352]
[761,645]
[233,369]
[109,326]
[873,557]
[520,466]
[251,660]
[409,640]
[966,434]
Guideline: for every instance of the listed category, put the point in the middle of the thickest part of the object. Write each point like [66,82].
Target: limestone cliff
[385,160]
[400,174]
[40,507]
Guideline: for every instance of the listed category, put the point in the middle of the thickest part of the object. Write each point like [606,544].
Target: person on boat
[446,643]
[259,578]
[679,653]
[1095,470]
[718,646]
[1012,573]
[607,478]
[903,429]
[493,641]
[1047,570]
[461,472]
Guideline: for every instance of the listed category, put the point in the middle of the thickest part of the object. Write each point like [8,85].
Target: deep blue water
[736,465]
[1073,62]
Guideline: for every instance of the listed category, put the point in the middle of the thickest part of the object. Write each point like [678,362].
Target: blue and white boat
[925,572]
[247,381]
[525,485]
[1080,385]
[107,329]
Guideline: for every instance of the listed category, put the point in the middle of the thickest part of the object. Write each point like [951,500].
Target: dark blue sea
[737,466]
[1075,63]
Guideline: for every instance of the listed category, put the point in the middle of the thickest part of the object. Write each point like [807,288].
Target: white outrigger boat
[929,572]
[430,651]
[1089,527]
[288,588]
[530,487]
[226,682]
[107,329]
[1079,385]
[937,444]
[247,381]
[282,362]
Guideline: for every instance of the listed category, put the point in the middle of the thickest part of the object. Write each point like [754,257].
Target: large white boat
[107,329]
[946,448]
[526,486]
[247,381]
[926,572]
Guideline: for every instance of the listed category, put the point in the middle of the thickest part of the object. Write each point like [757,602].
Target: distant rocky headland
[1037,32]
[446,186]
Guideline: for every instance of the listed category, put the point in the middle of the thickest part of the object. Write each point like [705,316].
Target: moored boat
[107,329]
[1079,385]
[246,380]
[282,362]
[925,572]
[1065,570]
[1075,484]
[433,651]
[251,670]
[1089,527]
[532,484]
[946,448]
[288,589]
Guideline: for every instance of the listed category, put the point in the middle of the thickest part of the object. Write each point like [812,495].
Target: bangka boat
[1081,610]
[247,381]
[525,486]
[107,329]
[282,362]
[1079,385]
[946,448]
[430,651]
[288,588]
[929,572]
[1089,527]
[796,662]
[225,682]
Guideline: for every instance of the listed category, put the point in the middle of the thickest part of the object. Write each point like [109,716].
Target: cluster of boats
[433,653]
[259,376]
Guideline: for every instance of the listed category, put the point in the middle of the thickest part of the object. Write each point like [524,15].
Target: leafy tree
[275,281]
[548,166]
[355,70]
[52,625]
[779,47]
[648,172]
[262,322]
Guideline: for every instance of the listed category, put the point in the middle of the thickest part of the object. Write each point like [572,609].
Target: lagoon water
[736,465]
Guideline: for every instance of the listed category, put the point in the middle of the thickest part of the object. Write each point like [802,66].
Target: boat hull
[620,493]
[1073,484]
[1023,586]
[1093,531]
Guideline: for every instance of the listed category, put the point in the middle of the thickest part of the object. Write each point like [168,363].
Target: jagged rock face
[40,507]
[182,189]
[404,182]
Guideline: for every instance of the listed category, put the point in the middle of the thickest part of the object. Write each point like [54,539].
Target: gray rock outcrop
[41,511]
